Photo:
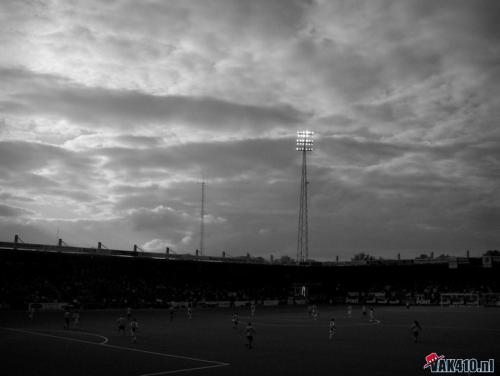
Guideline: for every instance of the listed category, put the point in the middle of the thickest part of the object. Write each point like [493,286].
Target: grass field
[287,342]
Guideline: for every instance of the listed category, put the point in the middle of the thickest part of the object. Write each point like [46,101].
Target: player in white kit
[314,312]
[331,328]
[235,320]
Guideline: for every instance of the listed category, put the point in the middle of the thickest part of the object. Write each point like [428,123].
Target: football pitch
[287,342]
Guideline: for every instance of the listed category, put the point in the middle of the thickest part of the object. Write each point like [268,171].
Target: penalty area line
[185,370]
[105,339]
[102,344]
[167,355]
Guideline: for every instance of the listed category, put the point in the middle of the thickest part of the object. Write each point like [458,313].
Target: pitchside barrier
[491,299]
[48,306]
[423,301]
[459,299]
[296,301]
[418,301]
[270,303]
[445,300]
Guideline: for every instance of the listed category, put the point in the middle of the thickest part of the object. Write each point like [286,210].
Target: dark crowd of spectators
[110,282]
[107,282]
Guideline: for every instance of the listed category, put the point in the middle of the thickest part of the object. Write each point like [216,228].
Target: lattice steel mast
[304,144]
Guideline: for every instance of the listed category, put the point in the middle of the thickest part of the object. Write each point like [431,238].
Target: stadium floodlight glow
[305,141]
[304,144]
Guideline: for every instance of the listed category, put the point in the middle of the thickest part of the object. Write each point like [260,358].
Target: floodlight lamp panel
[304,148]
[305,140]
[305,135]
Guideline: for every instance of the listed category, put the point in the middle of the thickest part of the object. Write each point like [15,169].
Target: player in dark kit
[416,329]
[67,318]
[129,313]
[76,319]
[134,325]
[121,324]
[31,313]
[171,311]
[249,331]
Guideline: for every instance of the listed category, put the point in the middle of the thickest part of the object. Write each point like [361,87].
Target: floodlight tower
[304,144]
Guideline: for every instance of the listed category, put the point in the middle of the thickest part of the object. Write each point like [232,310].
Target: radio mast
[202,217]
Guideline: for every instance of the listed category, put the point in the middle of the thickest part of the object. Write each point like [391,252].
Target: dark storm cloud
[411,166]
[97,107]
[259,18]
[354,152]
[334,67]
[217,159]
[11,211]
[423,195]
[27,181]
[22,156]
[385,112]
[370,48]
[139,141]
[69,173]
[5,196]
[235,173]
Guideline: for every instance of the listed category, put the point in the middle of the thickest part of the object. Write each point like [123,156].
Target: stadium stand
[96,280]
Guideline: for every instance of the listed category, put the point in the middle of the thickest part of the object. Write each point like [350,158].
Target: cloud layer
[112,113]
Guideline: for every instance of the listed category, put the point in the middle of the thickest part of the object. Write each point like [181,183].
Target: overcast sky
[112,111]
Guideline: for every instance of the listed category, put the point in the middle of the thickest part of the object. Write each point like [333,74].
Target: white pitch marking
[216,363]
[184,370]
[105,338]
[83,332]
[59,337]
[167,355]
